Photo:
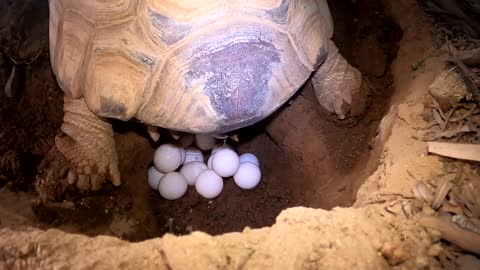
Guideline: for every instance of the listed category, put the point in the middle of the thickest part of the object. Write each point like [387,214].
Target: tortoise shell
[199,66]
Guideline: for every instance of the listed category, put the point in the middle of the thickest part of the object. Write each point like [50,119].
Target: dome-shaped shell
[201,66]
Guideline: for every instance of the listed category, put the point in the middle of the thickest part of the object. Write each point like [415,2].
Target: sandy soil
[379,158]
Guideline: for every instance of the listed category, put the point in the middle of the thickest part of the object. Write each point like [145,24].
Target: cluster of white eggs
[223,162]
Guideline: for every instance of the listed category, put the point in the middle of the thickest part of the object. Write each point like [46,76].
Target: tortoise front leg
[338,86]
[84,154]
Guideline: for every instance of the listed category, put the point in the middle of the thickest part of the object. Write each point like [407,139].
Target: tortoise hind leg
[338,86]
[84,154]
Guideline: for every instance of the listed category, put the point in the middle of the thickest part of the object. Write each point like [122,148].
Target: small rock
[376,244]
[421,262]
[26,249]
[435,250]
[394,253]
[427,210]
[435,235]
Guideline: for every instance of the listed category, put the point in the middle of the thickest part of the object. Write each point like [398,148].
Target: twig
[165,259]
[376,202]
[387,209]
[395,194]
[467,114]
[25,62]
[272,139]
[427,135]
[438,118]
[448,117]
[443,188]
[245,259]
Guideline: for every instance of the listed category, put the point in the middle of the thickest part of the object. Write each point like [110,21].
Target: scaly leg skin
[84,154]
[339,87]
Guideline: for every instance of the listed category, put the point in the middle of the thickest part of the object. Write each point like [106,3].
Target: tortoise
[196,66]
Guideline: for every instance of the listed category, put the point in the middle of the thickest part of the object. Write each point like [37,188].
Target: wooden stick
[455,150]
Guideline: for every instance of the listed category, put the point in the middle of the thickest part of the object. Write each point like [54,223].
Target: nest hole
[308,157]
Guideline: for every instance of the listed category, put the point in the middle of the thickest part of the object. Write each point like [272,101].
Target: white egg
[208,184]
[209,162]
[225,162]
[248,175]
[219,147]
[185,140]
[154,177]
[193,154]
[205,142]
[173,186]
[183,155]
[248,157]
[168,158]
[192,170]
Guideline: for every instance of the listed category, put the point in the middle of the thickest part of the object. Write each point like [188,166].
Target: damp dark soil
[308,157]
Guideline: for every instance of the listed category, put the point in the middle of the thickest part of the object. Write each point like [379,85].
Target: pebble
[427,210]
[435,235]
[376,244]
[422,262]
[394,253]
[26,249]
[435,250]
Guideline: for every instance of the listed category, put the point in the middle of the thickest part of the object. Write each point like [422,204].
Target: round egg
[173,186]
[205,142]
[185,140]
[193,154]
[168,158]
[209,162]
[192,170]
[248,176]
[183,155]
[225,162]
[219,147]
[208,184]
[154,177]
[248,157]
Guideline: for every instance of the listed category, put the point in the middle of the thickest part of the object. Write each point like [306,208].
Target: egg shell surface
[225,162]
[208,184]
[172,186]
[192,170]
[249,157]
[209,162]
[219,147]
[186,139]
[154,177]
[167,158]
[205,142]
[248,176]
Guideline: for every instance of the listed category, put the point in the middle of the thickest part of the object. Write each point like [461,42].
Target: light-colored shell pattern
[200,66]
